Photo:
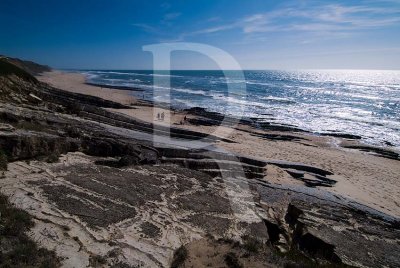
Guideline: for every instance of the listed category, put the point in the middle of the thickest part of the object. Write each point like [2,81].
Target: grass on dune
[16,248]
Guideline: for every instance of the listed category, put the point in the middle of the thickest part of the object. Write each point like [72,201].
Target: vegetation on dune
[232,260]
[16,248]
[8,68]
[3,160]
[29,66]
[251,244]
[180,256]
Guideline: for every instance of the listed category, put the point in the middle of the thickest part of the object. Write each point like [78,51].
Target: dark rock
[129,160]
[274,231]
[341,135]
[292,214]
[26,145]
[115,87]
[317,248]
[300,166]
[203,122]
[148,156]
[295,173]
[382,152]
[278,137]
[388,143]
[279,127]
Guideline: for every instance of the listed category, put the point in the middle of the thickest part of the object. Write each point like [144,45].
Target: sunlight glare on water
[360,102]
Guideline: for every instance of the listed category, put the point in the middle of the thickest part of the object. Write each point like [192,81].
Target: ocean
[364,103]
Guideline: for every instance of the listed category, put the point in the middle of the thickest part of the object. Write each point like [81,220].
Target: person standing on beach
[162,116]
[158,116]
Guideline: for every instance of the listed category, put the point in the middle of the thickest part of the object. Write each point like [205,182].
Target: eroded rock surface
[141,214]
[146,212]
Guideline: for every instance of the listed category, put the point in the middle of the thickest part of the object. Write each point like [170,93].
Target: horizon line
[266,69]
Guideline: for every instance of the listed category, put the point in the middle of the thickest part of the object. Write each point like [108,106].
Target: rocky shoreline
[103,191]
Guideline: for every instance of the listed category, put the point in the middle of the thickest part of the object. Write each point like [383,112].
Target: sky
[258,34]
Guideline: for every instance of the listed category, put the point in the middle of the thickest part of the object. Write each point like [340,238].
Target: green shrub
[22,251]
[180,256]
[232,260]
[33,126]
[3,160]
[97,260]
[8,68]
[251,244]
[53,158]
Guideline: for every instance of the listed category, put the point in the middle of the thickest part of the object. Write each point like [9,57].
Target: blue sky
[259,34]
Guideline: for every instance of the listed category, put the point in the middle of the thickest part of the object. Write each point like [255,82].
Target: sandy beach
[366,178]
[69,82]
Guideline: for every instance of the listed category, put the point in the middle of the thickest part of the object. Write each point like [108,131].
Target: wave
[191,91]
[166,75]
[278,99]
[110,72]
[259,83]
[91,76]
[230,99]
[186,103]
[133,74]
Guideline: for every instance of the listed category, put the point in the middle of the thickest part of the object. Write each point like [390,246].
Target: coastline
[369,179]
[110,183]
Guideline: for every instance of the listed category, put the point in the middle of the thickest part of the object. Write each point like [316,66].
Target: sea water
[360,102]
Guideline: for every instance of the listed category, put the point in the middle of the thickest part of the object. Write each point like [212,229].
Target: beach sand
[75,82]
[365,178]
